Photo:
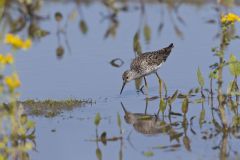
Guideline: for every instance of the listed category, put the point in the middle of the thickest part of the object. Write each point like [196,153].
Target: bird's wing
[155,59]
[138,64]
[147,59]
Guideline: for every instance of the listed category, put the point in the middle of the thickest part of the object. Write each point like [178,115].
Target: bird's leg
[146,106]
[145,81]
[146,85]
[158,76]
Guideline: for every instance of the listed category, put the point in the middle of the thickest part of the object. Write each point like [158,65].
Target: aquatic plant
[50,108]
[227,24]
[16,42]
[17,132]
[103,138]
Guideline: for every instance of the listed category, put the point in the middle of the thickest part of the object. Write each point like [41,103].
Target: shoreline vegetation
[50,108]
[193,2]
[17,131]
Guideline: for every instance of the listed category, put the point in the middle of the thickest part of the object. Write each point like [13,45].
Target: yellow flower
[27,44]
[17,42]
[230,18]
[2,59]
[12,81]
[8,59]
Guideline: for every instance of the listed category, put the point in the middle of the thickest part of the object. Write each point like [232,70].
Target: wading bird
[145,64]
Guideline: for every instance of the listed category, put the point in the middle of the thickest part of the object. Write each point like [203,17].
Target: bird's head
[127,76]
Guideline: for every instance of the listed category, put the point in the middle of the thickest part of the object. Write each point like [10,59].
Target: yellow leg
[146,85]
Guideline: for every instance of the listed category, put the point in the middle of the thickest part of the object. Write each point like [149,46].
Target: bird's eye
[127,77]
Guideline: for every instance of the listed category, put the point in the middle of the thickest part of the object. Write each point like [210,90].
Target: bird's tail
[166,51]
[169,48]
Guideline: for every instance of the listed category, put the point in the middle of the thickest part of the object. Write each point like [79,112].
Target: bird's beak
[124,83]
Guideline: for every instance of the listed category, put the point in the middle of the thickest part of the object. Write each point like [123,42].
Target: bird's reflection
[146,123]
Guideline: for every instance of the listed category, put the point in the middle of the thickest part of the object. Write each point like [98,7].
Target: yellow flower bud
[12,81]
[230,18]
[17,42]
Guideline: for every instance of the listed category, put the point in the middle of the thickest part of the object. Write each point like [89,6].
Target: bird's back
[150,61]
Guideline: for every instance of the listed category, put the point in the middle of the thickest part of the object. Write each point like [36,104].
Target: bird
[146,124]
[146,64]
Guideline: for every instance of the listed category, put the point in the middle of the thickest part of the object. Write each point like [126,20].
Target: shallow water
[86,72]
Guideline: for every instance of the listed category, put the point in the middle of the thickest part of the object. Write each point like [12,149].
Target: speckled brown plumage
[149,62]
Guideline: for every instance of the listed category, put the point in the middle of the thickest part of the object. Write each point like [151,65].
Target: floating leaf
[168,146]
[97,119]
[83,27]
[173,98]
[196,90]
[219,54]
[148,154]
[136,44]
[151,98]
[163,105]
[99,154]
[73,14]
[30,124]
[60,52]
[216,124]
[200,100]
[175,136]
[104,138]
[236,120]
[185,122]
[144,117]
[58,16]
[147,33]
[180,95]
[186,142]
[36,32]
[176,114]
[213,74]
[202,117]
[234,66]
[23,119]
[119,120]
[214,66]
[18,25]
[185,105]
[200,77]
[232,88]
[190,92]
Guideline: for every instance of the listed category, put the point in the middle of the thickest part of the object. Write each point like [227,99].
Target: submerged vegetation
[51,108]
[17,131]
[225,119]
